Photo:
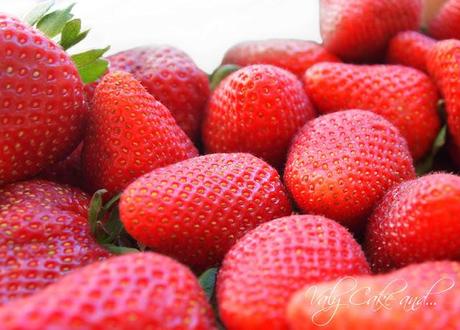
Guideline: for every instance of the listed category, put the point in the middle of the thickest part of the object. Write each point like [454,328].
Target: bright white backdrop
[203,28]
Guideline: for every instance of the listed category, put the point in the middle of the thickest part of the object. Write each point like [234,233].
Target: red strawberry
[446,23]
[269,264]
[416,221]
[129,134]
[196,209]
[293,55]
[410,48]
[359,30]
[402,95]
[42,108]
[44,234]
[443,61]
[67,171]
[341,164]
[424,296]
[135,291]
[256,109]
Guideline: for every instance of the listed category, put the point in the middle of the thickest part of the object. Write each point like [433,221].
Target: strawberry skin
[392,301]
[416,221]
[256,109]
[129,134]
[134,291]
[42,108]
[44,235]
[359,30]
[410,48]
[292,55]
[263,269]
[443,61]
[341,164]
[196,209]
[446,23]
[401,95]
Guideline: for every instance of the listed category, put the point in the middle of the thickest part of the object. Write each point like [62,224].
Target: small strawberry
[67,171]
[410,48]
[341,164]
[263,269]
[446,23]
[442,62]
[129,134]
[135,291]
[292,55]
[416,221]
[44,234]
[195,210]
[401,95]
[256,109]
[358,30]
[423,296]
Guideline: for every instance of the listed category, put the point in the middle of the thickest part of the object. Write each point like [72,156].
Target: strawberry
[129,134]
[67,171]
[402,95]
[358,30]
[42,109]
[196,209]
[446,23]
[442,62]
[416,221]
[410,48]
[292,55]
[256,109]
[134,291]
[341,164]
[45,234]
[263,269]
[423,296]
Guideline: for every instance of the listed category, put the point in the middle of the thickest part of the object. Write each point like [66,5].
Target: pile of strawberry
[300,186]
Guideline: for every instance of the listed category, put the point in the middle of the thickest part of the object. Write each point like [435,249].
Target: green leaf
[93,71]
[95,208]
[426,165]
[208,282]
[70,35]
[38,12]
[221,73]
[88,57]
[53,23]
[119,249]
[113,227]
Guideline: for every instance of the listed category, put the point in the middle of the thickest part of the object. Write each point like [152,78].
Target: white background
[203,28]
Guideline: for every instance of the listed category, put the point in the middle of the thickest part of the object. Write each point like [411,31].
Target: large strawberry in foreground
[129,133]
[416,221]
[44,234]
[269,264]
[197,209]
[135,291]
[423,296]
[341,164]
[42,107]
[404,96]
[358,30]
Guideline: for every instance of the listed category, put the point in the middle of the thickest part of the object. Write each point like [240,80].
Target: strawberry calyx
[61,26]
[221,73]
[106,226]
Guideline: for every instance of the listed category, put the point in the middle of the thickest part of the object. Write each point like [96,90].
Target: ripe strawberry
[42,108]
[293,55]
[263,269]
[442,62]
[410,48]
[195,210]
[357,30]
[446,23]
[416,221]
[44,235]
[423,296]
[129,134]
[67,171]
[256,109]
[341,164]
[402,95]
[134,291]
